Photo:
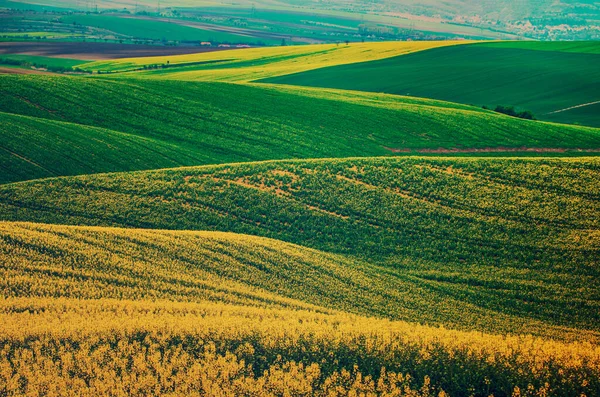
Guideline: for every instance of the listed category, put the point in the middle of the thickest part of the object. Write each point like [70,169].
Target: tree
[526,114]
[510,111]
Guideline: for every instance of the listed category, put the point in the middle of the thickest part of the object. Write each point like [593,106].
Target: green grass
[48,6]
[290,12]
[581,47]
[541,77]
[76,125]
[42,61]
[39,148]
[514,240]
[158,30]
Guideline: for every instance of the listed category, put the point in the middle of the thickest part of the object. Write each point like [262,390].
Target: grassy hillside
[34,148]
[581,47]
[170,123]
[129,312]
[159,30]
[336,16]
[40,61]
[542,77]
[513,237]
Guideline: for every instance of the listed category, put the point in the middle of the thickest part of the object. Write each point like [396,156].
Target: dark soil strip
[499,149]
[96,51]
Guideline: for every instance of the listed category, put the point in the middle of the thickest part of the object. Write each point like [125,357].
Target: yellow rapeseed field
[106,347]
[96,311]
[243,65]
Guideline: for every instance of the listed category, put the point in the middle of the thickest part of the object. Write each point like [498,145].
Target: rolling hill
[171,226]
[547,78]
[150,29]
[143,312]
[61,125]
[34,148]
[514,237]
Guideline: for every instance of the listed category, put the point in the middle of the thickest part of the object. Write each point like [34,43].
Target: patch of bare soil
[499,149]
[4,70]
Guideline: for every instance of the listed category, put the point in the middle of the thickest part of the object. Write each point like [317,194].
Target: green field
[315,21]
[33,36]
[191,230]
[39,61]
[39,148]
[541,77]
[578,47]
[158,30]
[35,6]
[123,125]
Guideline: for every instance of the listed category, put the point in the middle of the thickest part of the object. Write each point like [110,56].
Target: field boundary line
[575,107]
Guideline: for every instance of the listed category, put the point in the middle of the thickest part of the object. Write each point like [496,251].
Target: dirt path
[575,107]
[4,70]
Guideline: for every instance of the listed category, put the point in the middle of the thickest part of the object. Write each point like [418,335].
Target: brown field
[6,70]
[95,51]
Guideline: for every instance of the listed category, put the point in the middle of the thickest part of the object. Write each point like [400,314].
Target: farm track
[574,107]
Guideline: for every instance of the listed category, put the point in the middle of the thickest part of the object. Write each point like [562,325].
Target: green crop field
[156,30]
[28,61]
[542,77]
[39,148]
[290,18]
[580,47]
[217,224]
[170,123]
